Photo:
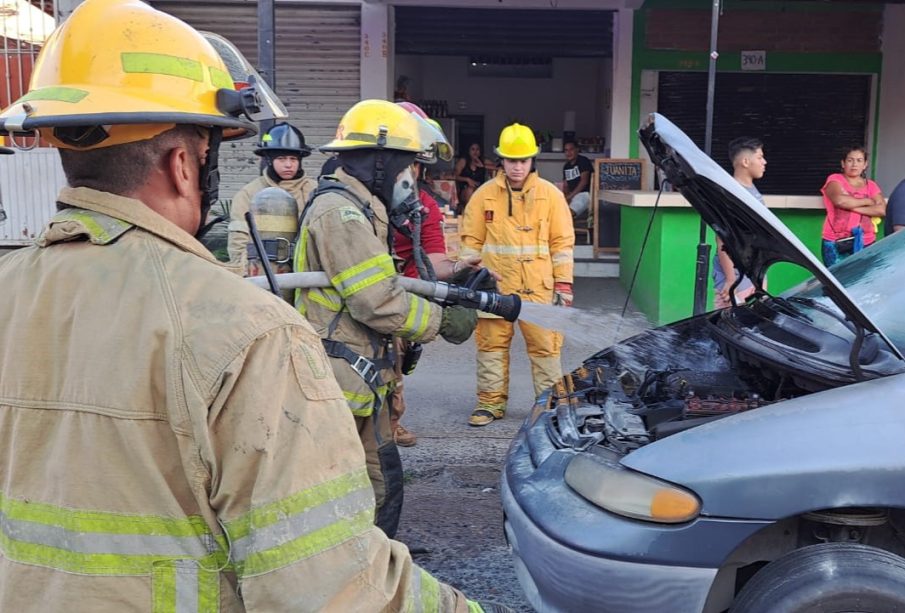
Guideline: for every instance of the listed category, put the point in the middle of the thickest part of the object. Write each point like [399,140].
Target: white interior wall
[578,84]
[890,153]
[410,66]
[621,130]
[605,97]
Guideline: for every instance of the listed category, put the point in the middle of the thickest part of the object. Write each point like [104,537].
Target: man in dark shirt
[895,209]
[576,174]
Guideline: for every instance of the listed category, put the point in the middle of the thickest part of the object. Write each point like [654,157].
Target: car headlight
[628,493]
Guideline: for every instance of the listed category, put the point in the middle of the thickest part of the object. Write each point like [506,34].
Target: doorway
[469,129]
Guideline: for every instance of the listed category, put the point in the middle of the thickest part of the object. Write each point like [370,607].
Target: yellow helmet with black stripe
[120,71]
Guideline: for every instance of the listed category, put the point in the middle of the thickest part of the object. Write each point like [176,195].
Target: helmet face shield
[253,97]
[430,133]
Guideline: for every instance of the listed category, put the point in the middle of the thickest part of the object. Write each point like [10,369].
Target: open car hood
[752,235]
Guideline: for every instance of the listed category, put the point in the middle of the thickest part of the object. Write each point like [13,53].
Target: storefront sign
[754,60]
[617,174]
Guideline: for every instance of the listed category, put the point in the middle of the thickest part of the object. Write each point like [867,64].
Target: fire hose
[506,306]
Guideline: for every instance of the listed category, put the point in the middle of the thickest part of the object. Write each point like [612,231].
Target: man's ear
[181,168]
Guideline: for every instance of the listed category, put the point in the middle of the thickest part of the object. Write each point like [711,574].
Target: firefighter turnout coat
[527,237]
[365,307]
[239,237]
[173,437]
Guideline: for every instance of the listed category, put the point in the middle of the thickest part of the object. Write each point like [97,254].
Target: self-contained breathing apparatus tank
[276,217]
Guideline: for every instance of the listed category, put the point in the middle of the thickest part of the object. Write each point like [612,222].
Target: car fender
[831,449]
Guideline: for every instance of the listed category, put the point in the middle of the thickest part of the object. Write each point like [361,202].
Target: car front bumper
[558,578]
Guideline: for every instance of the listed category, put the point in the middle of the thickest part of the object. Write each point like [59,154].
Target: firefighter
[283,147]
[171,433]
[426,260]
[520,224]
[345,233]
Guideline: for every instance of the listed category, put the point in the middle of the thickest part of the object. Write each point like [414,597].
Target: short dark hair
[122,169]
[571,142]
[744,143]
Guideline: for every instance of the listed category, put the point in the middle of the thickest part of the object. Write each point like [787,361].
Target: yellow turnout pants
[493,337]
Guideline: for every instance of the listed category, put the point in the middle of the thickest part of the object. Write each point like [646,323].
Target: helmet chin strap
[209,180]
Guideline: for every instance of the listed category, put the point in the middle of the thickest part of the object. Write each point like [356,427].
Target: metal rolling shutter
[317,69]
[805,120]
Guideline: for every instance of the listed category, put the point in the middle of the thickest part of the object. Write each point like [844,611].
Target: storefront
[482,69]
[784,75]
[594,68]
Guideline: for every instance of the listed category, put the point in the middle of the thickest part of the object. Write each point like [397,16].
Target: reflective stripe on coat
[533,247]
[365,303]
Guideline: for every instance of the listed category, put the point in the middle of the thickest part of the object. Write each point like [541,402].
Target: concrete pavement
[452,519]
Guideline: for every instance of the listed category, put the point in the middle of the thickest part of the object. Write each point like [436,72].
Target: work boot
[403,437]
[485,413]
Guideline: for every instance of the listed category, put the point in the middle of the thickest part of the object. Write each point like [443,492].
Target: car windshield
[874,278]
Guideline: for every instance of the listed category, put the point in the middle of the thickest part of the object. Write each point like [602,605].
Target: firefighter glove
[457,324]
[562,294]
[480,278]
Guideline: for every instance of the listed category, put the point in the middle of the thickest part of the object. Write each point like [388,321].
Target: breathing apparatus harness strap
[414,214]
[329,184]
[366,368]
[209,181]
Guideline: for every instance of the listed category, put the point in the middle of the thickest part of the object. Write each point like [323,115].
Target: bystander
[576,174]
[748,165]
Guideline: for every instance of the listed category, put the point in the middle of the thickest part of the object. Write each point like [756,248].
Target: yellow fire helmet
[119,71]
[517,143]
[378,124]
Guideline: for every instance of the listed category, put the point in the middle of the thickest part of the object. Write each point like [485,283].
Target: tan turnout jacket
[365,303]
[173,438]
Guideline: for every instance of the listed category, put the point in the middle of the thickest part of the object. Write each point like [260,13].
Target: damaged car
[750,459]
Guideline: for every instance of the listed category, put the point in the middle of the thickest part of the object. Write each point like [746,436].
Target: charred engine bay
[657,384]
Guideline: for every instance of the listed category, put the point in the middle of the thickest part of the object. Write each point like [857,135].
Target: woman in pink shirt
[850,200]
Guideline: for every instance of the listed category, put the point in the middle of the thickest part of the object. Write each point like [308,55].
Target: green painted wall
[646,291]
[664,285]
